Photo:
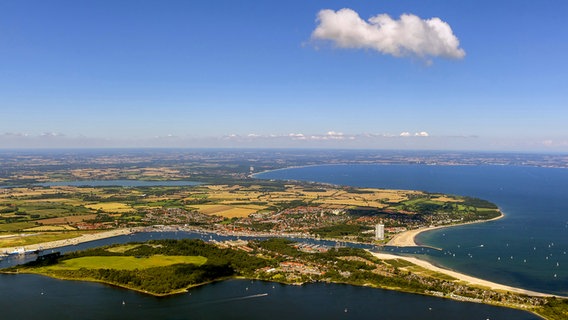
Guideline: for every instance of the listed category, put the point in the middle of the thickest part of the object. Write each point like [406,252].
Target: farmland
[125,263]
[37,202]
[307,208]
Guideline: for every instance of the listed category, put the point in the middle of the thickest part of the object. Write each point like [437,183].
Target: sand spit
[67,242]
[461,277]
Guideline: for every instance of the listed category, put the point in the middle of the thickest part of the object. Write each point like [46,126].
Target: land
[73,240]
[66,215]
[212,165]
[165,267]
[408,238]
[469,280]
[230,200]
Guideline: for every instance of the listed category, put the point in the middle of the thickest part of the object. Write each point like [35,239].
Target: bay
[38,297]
[527,248]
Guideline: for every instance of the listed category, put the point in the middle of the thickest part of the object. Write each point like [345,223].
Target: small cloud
[168,136]
[548,143]
[297,136]
[417,134]
[318,138]
[231,136]
[408,36]
[335,135]
[51,134]
[15,134]
[554,143]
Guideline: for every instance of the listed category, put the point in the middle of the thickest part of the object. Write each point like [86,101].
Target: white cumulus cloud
[297,136]
[417,134]
[408,36]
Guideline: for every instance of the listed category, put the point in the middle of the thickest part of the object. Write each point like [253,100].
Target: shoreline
[254,175]
[470,280]
[67,242]
[408,238]
[404,239]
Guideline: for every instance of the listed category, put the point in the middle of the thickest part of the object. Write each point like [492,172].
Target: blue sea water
[27,296]
[38,297]
[528,248]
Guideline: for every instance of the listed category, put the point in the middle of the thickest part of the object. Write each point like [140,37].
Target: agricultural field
[34,237]
[150,173]
[227,211]
[71,205]
[51,228]
[300,207]
[110,207]
[66,220]
[125,262]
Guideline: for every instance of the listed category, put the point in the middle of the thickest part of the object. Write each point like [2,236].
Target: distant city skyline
[473,75]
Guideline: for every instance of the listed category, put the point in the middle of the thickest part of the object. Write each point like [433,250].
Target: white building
[380,232]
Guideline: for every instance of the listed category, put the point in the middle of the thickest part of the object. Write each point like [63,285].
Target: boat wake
[253,296]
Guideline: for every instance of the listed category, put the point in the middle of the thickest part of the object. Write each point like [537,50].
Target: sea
[527,248]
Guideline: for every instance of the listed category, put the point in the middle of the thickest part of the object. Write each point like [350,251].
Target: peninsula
[163,267]
[42,217]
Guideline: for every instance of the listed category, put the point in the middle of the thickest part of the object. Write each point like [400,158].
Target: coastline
[404,239]
[254,175]
[68,242]
[462,277]
[286,168]
[408,238]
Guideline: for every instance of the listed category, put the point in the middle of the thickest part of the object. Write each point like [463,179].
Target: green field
[125,263]
[16,226]
[34,238]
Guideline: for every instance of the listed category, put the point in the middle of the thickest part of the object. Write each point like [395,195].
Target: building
[380,232]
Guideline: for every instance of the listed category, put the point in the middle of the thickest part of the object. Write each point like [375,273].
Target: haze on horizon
[473,75]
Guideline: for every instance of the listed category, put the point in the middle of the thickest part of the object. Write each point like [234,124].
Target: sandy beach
[408,238]
[67,242]
[460,276]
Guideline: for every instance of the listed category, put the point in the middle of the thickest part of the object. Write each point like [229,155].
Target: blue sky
[253,74]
